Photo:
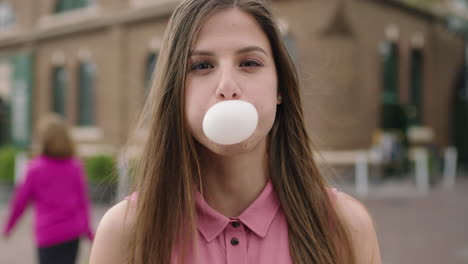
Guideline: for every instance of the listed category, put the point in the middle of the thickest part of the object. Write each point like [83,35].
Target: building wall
[141,39]
[448,63]
[104,53]
[442,53]
[118,49]
[341,73]
[372,21]
[327,72]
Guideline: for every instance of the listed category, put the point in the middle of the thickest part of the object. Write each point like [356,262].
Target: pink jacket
[58,190]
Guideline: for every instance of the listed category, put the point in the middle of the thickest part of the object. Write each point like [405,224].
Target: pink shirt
[258,236]
[57,188]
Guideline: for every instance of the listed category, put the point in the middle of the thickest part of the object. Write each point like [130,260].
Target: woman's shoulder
[36,162]
[118,219]
[350,208]
[113,234]
[359,224]
[36,165]
[76,162]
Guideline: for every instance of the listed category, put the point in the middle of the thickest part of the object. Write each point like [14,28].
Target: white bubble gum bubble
[230,122]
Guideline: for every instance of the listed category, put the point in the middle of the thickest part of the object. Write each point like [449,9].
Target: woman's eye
[202,66]
[250,63]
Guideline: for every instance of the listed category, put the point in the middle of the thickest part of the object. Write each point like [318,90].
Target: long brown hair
[169,168]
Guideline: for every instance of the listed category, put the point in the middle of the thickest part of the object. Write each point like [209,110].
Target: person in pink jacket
[55,183]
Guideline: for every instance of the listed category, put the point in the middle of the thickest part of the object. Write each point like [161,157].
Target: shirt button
[235,224]
[234,241]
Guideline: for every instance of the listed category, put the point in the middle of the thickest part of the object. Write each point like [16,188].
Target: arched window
[7,14]
[389,60]
[150,67]
[394,115]
[86,94]
[59,90]
[68,5]
[416,86]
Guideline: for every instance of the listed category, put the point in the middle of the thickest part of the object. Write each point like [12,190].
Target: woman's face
[231,59]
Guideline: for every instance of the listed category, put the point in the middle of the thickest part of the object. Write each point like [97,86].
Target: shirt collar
[257,217]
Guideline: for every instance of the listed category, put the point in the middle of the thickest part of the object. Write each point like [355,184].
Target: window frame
[8,19]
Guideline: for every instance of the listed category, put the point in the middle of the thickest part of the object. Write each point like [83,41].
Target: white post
[362,174]
[422,170]
[450,167]
[21,160]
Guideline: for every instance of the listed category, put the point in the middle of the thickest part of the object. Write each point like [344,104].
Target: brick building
[91,60]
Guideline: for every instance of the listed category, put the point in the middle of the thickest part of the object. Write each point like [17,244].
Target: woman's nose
[228,89]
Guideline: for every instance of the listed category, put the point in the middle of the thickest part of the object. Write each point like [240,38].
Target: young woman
[259,201]
[56,184]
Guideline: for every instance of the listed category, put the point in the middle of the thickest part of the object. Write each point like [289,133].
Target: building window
[460,4]
[7,14]
[59,90]
[6,72]
[389,60]
[150,67]
[291,46]
[86,94]
[394,115]
[69,5]
[416,87]
[460,114]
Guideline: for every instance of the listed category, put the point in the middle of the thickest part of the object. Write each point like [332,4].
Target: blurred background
[385,96]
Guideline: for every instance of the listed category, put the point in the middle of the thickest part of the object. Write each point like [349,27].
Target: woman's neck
[234,182]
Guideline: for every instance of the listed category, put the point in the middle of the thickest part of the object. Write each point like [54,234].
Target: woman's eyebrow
[201,53]
[243,50]
[250,49]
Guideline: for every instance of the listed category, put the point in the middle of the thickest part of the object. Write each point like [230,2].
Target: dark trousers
[63,253]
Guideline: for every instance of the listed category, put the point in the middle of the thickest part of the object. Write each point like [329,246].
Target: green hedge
[7,164]
[101,169]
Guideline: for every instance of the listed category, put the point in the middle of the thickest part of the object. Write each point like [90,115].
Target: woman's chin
[243,147]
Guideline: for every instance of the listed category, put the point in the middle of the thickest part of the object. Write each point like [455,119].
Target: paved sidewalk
[412,228]
[418,229]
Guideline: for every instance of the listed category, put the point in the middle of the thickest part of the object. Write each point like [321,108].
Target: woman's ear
[279,99]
